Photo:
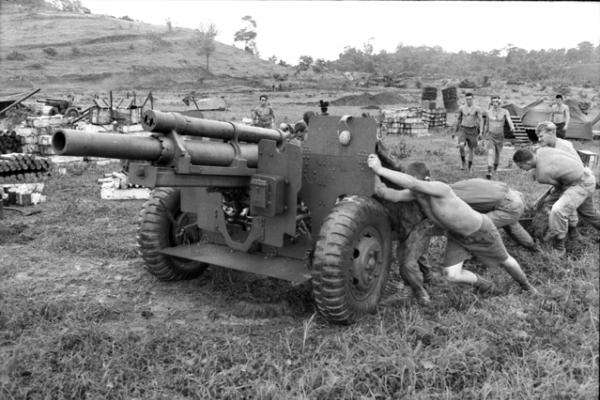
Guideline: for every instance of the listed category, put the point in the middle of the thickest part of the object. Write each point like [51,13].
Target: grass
[80,318]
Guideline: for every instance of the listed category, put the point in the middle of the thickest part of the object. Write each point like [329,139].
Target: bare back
[450,212]
[557,167]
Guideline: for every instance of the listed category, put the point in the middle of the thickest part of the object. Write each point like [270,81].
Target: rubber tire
[332,259]
[71,113]
[154,234]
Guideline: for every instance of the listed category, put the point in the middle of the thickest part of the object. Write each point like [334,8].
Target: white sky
[322,29]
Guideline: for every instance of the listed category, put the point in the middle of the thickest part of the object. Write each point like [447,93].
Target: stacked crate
[403,121]
[435,118]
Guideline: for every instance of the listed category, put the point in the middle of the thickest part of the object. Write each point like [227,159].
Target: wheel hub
[367,263]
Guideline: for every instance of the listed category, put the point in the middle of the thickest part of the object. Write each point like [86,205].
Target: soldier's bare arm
[510,122]
[390,194]
[436,189]
[458,120]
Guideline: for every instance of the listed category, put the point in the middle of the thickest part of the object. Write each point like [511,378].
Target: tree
[319,66]
[304,63]
[586,51]
[273,59]
[247,34]
[206,41]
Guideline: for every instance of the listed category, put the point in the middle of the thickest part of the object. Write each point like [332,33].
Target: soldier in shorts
[493,133]
[469,232]
[560,116]
[263,115]
[469,125]
[501,204]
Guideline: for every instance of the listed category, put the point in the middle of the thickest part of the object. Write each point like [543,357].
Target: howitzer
[258,200]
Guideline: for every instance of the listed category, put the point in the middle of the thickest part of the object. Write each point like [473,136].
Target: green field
[81,319]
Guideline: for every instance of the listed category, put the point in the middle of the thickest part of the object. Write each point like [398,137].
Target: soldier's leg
[490,157]
[589,213]
[409,253]
[454,271]
[513,268]
[462,144]
[520,235]
[569,201]
[497,150]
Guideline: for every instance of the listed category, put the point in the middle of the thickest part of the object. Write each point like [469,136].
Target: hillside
[44,47]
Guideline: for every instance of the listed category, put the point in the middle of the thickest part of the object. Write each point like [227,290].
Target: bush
[15,56]
[126,18]
[50,51]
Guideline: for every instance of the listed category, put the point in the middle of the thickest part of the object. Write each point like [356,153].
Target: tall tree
[206,41]
[247,35]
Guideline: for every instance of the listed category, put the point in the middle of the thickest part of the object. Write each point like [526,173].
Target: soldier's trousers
[576,198]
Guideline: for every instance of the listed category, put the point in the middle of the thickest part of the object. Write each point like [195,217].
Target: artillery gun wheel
[351,259]
[71,112]
[162,224]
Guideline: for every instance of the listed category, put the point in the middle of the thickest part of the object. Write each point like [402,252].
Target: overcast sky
[322,29]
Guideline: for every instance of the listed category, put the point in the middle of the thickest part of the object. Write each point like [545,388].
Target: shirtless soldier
[575,183]
[468,230]
[469,127]
[501,204]
[560,116]
[547,132]
[493,133]
[263,115]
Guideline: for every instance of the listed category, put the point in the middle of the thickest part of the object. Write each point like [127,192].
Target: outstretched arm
[436,189]
[390,194]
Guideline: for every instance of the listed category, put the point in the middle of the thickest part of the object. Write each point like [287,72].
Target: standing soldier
[560,116]
[263,115]
[493,133]
[470,125]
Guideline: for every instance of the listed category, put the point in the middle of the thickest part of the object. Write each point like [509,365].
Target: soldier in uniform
[469,126]
[493,133]
[263,115]
[572,180]
[560,116]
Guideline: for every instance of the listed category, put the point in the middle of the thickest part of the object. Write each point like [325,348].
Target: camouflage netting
[17,168]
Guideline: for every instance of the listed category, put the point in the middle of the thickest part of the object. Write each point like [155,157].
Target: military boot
[559,246]
[483,286]
[470,165]
[574,234]
[463,164]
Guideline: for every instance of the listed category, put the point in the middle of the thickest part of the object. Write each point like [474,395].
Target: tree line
[509,63]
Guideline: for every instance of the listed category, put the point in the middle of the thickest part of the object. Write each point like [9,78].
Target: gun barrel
[70,142]
[163,122]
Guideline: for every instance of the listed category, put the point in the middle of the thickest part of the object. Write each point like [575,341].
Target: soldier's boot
[483,286]
[422,297]
[559,246]
[470,165]
[574,233]
[519,276]
[462,162]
